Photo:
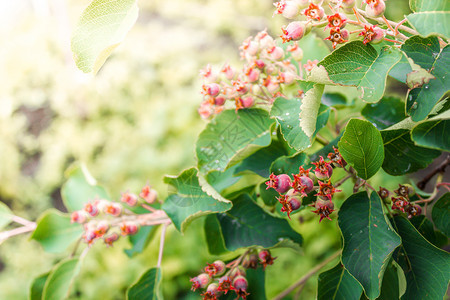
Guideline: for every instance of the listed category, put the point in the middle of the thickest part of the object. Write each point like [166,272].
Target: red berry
[323,208]
[266,258]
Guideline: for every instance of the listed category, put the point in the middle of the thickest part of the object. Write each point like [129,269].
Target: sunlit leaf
[430,16]
[101,28]
[369,240]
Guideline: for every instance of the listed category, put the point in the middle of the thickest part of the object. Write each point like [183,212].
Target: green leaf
[222,180]
[426,229]
[369,240]
[288,164]
[260,161]
[310,110]
[147,287]
[432,134]
[5,215]
[232,136]
[338,284]
[430,22]
[268,195]
[326,149]
[55,232]
[426,5]
[362,147]
[428,268]
[60,280]
[37,286]
[140,240]
[313,48]
[402,156]
[334,99]
[256,282]
[387,112]
[101,28]
[80,188]
[356,64]
[189,200]
[213,236]
[401,69]
[441,214]
[393,279]
[247,224]
[426,53]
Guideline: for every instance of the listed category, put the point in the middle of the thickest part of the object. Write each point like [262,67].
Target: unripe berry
[375,9]
[217,268]
[250,261]
[405,190]
[113,209]
[200,282]
[348,3]
[240,283]
[219,101]
[225,284]
[265,258]
[239,271]
[79,216]
[248,101]
[91,209]
[102,228]
[148,194]
[323,208]
[284,183]
[212,89]
[129,228]
[129,198]
[288,9]
[213,289]
[378,36]
[293,31]
[296,51]
[110,239]
[321,175]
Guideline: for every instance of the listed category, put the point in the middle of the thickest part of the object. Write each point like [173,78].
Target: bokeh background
[132,123]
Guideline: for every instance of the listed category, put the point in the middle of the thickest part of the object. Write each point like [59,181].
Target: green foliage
[5,215]
[369,240]
[99,32]
[433,134]
[440,214]
[60,279]
[37,286]
[55,232]
[430,16]
[385,113]
[362,147]
[338,284]
[147,287]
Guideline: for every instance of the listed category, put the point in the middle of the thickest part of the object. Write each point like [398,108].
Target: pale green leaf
[101,28]
[310,109]
[5,215]
[37,286]
[58,283]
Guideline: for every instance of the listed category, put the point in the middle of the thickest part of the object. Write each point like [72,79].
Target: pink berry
[375,8]
[293,31]
[284,183]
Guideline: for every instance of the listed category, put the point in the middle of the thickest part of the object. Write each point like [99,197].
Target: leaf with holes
[101,28]
[231,137]
[338,284]
[369,240]
[427,268]
[147,287]
[189,200]
[356,64]
[247,224]
[362,147]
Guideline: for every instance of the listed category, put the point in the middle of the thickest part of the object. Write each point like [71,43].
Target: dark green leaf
[421,100]
[189,200]
[232,136]
[147,287]
[140,240]
[256,283]
[426,229]
[55,232]
[428,268]
[288,164]
[5,215]
[81,188]
[338,284]
[37,286]
[432,134]
[402,156]
[101,28]
[268,195]
[60,280]
[401,69]
[334,99]
[441,214]
[247,224]
[362,147]
[369,240]
[326,149]
[222,180]
[391,285]
[213,235]
[356,64]
[387,112]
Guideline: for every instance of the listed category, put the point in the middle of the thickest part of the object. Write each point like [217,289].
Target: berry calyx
[302,184]
[250,261]
[326,190]
[336,158]
[240,285]
[323,169]
[323,208]
[265,258]
[129,198]
[200,281]
[375,8]
[216,268]
[405,190]
[225,284]
[212,292]
[281,183]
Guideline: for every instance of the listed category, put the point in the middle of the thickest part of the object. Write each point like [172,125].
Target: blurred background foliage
[132,123]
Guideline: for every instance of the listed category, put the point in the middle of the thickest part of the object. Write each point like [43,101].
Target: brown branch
[307,276]
[439,169]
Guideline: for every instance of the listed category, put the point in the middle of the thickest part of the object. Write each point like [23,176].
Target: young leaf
[426,52]
[5,215]
[441,214]
[80,188]
[296,126]
[434,133]
[386,112]
[247,224]
[362,147]
[402,156]
[147,287]
[428,268]
[338,284]
[189,201]
[55,232]
[369,240]
[356,64]
[430,16]
[37,286]
[231,136]
[60,280]
[101,28]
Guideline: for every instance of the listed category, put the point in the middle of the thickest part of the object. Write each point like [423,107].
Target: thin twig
[340,182]
[16,231]
[307,276]
[22,221]
[161,244]
[439,169]
[380,20]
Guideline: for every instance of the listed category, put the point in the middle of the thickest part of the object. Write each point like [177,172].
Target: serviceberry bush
[305,125]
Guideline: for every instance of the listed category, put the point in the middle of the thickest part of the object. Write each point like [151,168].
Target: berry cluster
[264,76]
[401,199]
[108,220]
[218,280]
[318,13]
[292,191]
